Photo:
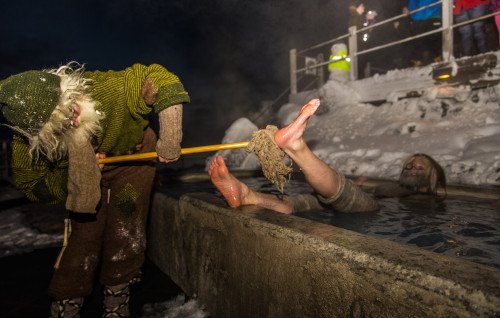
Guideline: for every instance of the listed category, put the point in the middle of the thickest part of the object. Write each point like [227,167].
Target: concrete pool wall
[251,262]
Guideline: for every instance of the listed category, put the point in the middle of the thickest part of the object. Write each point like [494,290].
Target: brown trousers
[115,236]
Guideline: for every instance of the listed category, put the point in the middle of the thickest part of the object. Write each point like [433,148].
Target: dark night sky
[230,54]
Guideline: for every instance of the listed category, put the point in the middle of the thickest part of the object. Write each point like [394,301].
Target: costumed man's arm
[84,179]
[77,181]
[40,181]
[166,93]
[168,146]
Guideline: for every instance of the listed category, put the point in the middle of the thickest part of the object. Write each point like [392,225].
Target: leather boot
[116,300]
[66,308]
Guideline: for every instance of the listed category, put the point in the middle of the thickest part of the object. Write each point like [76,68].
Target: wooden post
[320,71]
[447,23]
[293,71]
[353,52]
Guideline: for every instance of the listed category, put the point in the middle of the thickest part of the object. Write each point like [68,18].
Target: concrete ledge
[250,262]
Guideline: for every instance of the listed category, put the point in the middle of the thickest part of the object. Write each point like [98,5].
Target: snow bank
[461,131]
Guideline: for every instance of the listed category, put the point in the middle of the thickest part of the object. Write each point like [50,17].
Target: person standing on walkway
[404,53]
[471,33]
[495,7]
[356,14]
[357,19]
[428,48]
[62,120]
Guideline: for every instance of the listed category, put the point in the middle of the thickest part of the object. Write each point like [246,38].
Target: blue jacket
[432,12]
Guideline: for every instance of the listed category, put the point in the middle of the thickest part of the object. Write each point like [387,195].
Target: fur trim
[58,134]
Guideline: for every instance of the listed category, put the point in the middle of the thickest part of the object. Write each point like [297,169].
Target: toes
[220,160]
[212,168]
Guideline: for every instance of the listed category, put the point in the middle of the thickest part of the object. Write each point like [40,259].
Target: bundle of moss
[271,157]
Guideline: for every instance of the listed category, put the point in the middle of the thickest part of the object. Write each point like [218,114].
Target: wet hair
[436,177]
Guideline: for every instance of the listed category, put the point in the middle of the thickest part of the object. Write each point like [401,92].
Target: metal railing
[352,36]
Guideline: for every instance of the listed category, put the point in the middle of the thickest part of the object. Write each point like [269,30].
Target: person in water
[421,174]
[330,186]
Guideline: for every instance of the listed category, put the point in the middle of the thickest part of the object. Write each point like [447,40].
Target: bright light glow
[443,76]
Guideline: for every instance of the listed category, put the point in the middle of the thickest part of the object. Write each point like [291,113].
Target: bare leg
[237,193]
[319,175]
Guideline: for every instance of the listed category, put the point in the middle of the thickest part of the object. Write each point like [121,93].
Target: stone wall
[250,262]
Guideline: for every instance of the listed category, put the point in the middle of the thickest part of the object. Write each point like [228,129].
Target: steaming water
[459,228]
[456,228]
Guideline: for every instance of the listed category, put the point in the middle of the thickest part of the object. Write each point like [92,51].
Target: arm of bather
[350,198]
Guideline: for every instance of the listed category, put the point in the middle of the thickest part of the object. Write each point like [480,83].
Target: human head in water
[422,174]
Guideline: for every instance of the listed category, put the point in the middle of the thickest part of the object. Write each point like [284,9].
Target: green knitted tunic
[118,97]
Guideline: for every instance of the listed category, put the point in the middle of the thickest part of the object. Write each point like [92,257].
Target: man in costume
[331,187]
[62,120]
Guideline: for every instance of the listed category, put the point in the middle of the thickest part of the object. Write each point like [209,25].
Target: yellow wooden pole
[184,151]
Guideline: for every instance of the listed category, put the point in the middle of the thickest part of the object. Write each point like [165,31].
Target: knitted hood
[28,99]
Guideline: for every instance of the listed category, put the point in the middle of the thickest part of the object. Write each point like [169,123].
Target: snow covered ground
[174,308]
[460,131]
[17,237]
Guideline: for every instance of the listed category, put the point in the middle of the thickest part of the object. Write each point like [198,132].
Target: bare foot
[231,188]
[237,193]
[290,137]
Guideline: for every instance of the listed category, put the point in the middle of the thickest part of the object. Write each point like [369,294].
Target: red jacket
[466,5]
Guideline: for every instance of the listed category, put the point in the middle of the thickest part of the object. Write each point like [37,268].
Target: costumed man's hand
[168,146]
[84,179]
[98,156]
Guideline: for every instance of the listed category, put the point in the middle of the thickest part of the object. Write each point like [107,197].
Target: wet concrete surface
[269,264]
